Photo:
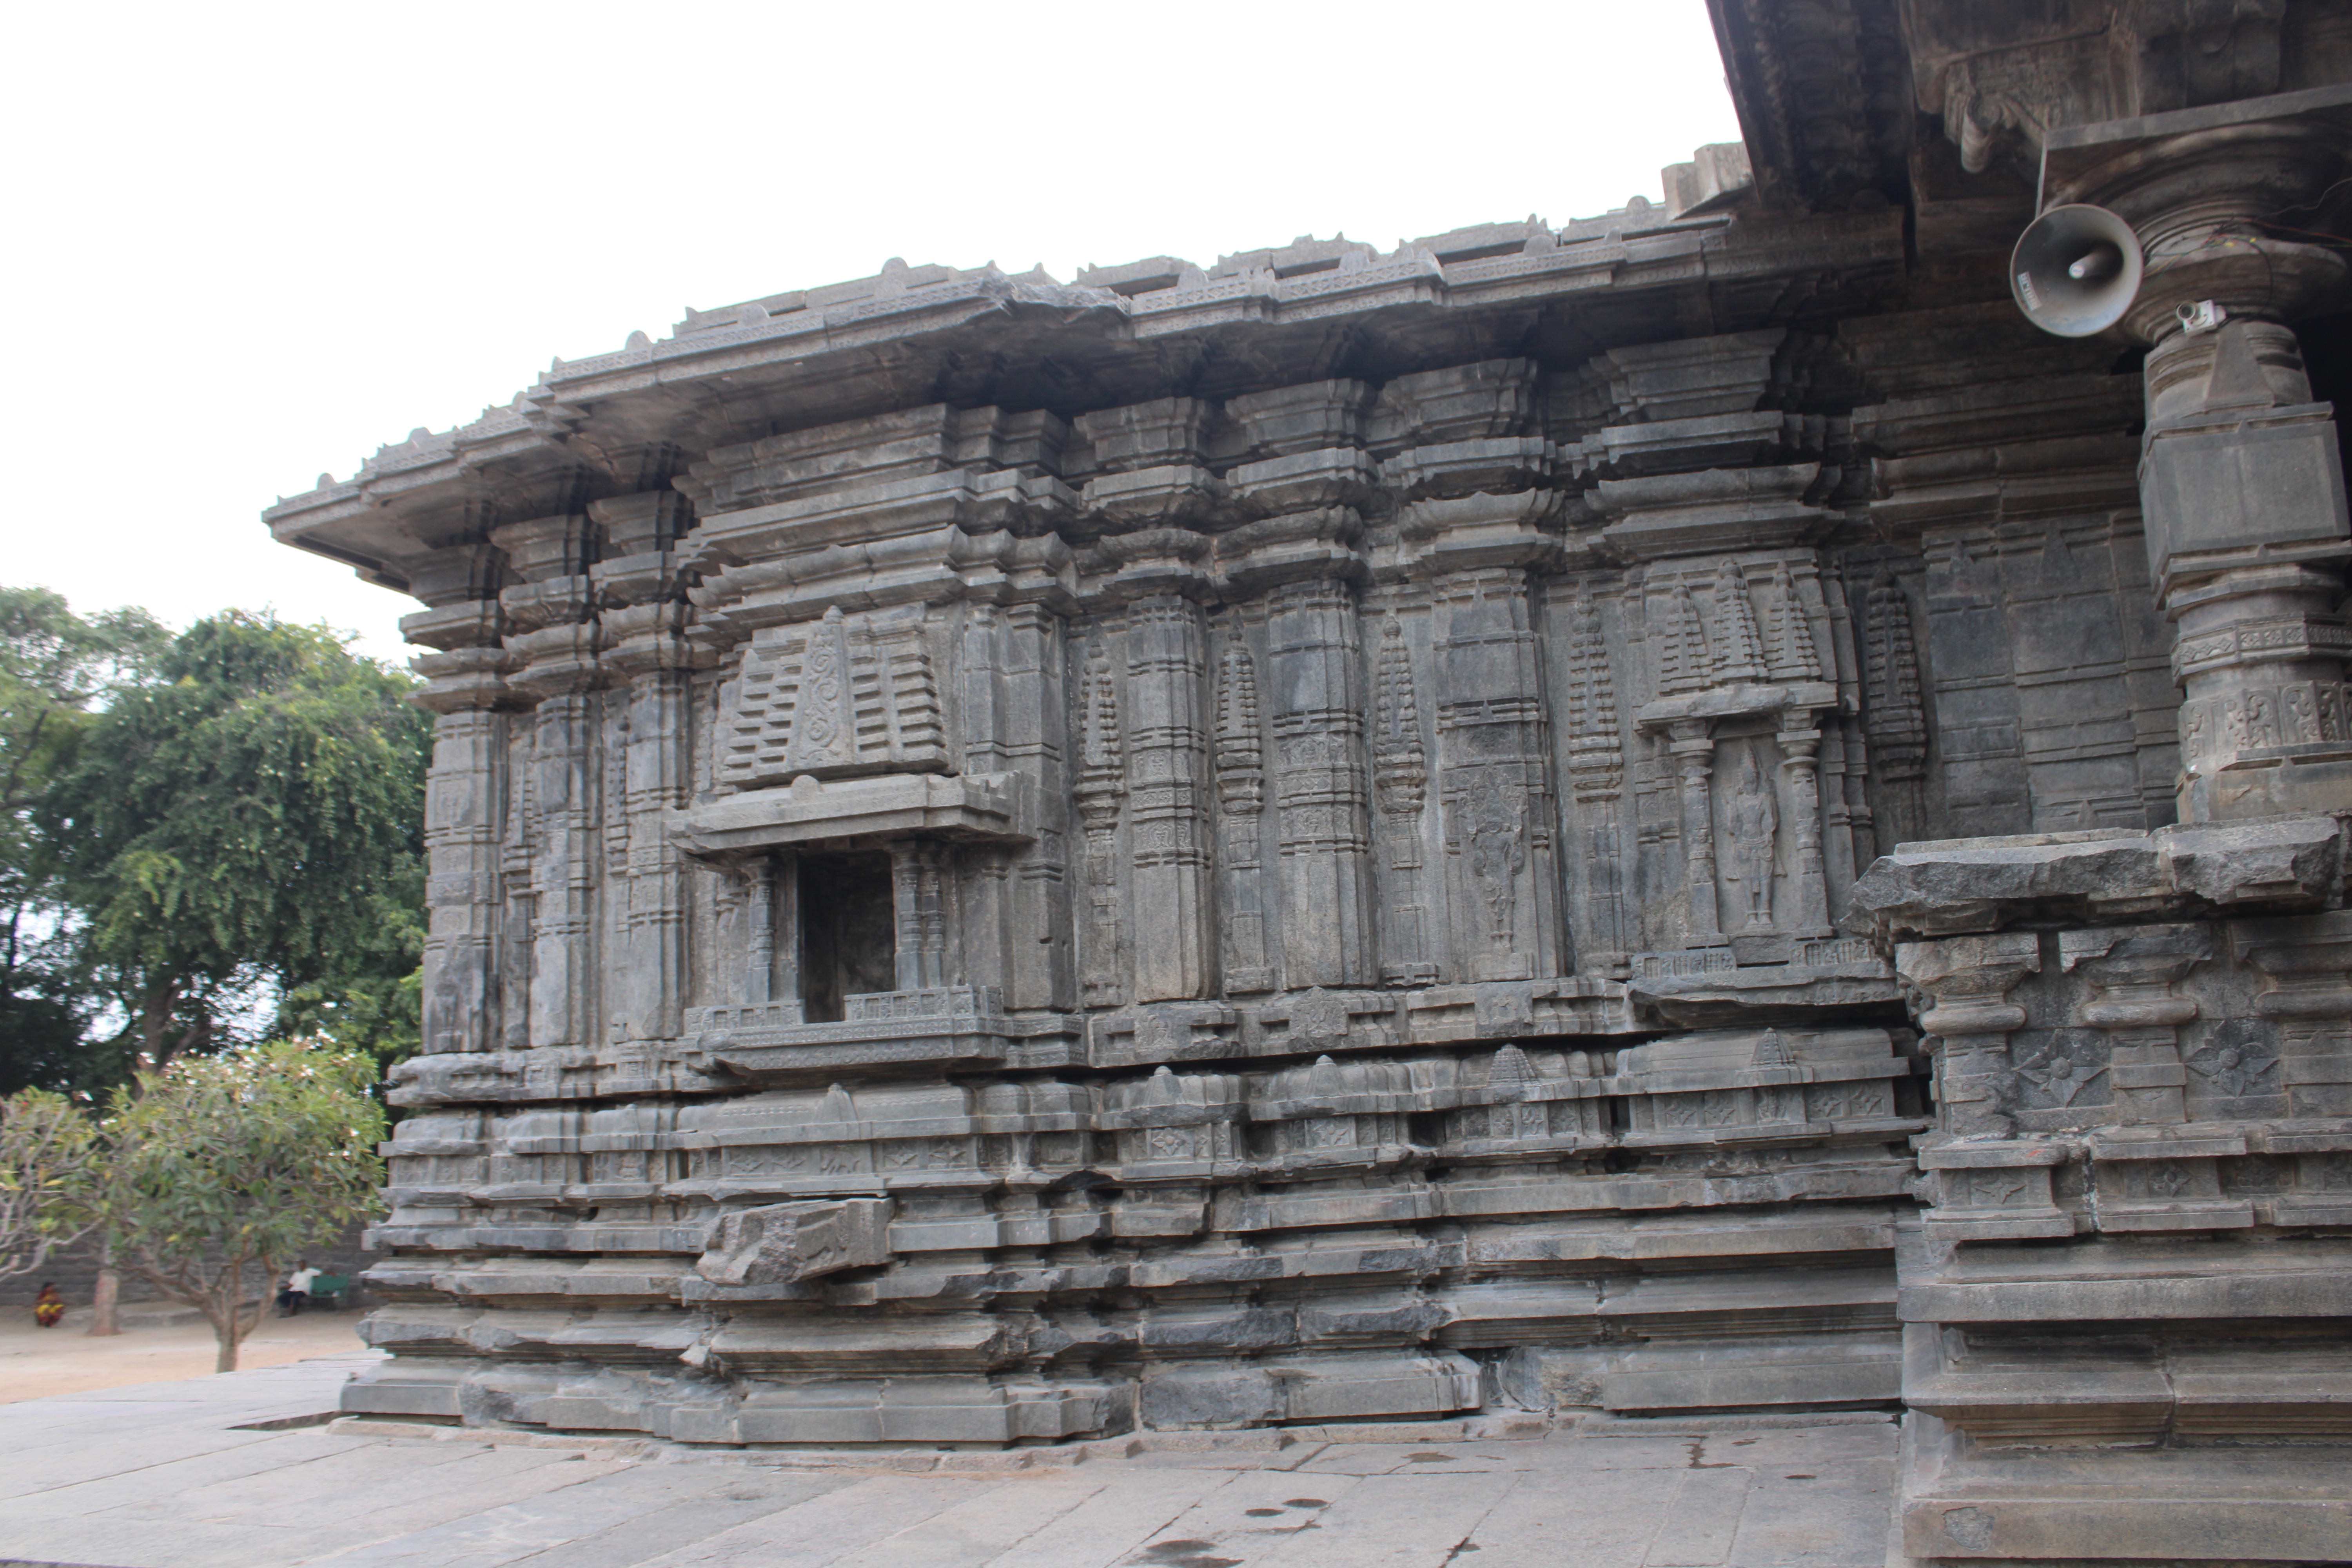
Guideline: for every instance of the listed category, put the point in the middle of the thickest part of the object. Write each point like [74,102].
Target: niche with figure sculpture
[1767,864]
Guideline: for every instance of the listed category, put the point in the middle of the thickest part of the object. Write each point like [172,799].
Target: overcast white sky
[250,242]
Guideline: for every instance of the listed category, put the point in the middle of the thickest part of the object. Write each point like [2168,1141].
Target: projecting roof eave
[983,338]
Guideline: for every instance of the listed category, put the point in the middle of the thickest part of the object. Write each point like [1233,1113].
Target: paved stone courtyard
[199,1473]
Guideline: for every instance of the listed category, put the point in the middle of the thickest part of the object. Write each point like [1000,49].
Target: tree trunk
[154,1018]
[199,1033]
[226,1310]
[102,1300]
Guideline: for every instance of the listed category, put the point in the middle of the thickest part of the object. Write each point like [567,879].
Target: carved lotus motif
[2059,1074]
[2236,1070]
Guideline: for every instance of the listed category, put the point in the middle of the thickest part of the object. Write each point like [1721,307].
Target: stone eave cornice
[412,495]
[1810,86]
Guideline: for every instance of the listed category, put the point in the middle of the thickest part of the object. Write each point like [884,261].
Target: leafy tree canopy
[220,1169]
[47,1154]
[252,813]
[57,671]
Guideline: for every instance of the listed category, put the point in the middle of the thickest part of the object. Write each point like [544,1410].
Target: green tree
[251,817]
[58,672]
[47,1150]
[219,1170]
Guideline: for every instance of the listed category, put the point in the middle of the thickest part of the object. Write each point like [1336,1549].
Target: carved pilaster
[2308,964]
[518,851]
[760,930]
[1693,749]
[1401,789]
[1596,777]
[466,791]
[1799,750]
[464,799]
[556,638]
[920,877]
[564,871]
[1316,663]
[649,650]
[1102,786]
[984,888]
[1968,980]
[981,719]
[1167,755]
[1033,730]
[1752,818]
[1240,801]
[2134,969]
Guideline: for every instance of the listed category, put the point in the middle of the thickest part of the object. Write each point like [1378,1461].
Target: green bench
[328,1289]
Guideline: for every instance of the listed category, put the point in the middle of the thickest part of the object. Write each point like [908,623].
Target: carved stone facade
[1582,818]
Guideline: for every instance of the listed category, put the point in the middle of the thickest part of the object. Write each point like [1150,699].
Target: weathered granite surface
[1351,834]
[234,1471]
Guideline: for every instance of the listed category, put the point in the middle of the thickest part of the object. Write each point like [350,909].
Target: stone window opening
[849,928]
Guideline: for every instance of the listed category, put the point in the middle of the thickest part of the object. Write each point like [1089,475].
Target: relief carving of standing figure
[1755,822]
[1498,850]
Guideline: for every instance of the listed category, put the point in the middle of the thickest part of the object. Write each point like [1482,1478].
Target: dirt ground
[35,1362]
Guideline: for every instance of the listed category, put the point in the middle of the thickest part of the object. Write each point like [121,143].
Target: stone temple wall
[1581,818]
[969,925]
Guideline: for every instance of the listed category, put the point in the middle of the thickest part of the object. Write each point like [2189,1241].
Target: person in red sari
[49,1307]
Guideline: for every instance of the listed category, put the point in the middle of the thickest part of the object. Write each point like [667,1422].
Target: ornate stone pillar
[1167,743]
[2241,483]
[1970,979]
[2247,530]
[1596,782]
[518,851]
[920,878]
[644,643]
[1033,738]
[986,882]
[759,942]
[1693,748]
[1317,666]
[554,604]
[465,792]
[1302,554]
[563,791]
[1797,761]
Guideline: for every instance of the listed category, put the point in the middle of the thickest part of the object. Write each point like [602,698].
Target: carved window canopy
[972,808]
[1738,701]
[835,698]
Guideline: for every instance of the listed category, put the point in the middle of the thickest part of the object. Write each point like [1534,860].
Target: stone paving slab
[175,1476]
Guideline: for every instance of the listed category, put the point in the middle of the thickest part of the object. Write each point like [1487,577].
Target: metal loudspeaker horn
[2076,269]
